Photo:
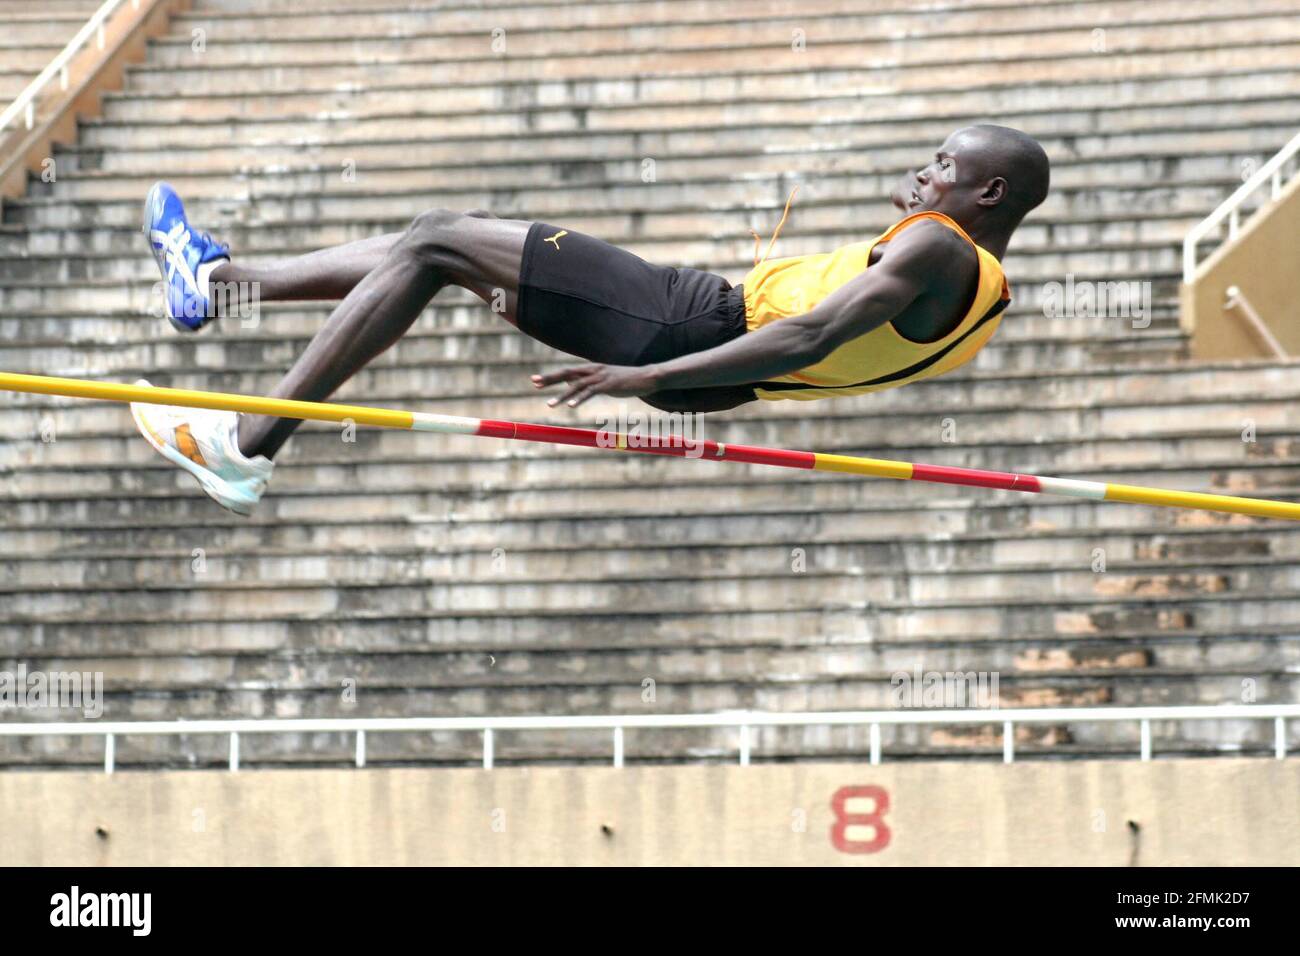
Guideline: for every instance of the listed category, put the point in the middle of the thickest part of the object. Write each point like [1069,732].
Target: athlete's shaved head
[985,177]
[995,151]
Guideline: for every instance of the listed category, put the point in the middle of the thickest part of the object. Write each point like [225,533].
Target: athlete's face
[959,179]
[934,186]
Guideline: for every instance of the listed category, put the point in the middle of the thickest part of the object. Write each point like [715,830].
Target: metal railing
[1230,208]
[1237,304]
[744,721]
[26,101]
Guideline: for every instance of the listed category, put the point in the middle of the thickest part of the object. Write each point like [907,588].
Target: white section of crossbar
[26,101]
[1230,208]
[741,720]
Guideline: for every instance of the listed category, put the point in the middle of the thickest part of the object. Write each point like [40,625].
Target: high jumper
[916,301]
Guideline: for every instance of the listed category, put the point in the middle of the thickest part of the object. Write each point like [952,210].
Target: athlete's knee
[431,234]
[479,214]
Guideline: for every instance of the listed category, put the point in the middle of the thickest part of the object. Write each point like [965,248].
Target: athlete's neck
[990,234]
[993,240]
[986,233]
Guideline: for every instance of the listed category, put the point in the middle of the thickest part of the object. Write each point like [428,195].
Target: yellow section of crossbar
[1258,507]
[224,401]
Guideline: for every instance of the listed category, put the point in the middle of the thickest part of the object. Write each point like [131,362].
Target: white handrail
[743,720]
[26,100]
[1237,302]
[1229,208]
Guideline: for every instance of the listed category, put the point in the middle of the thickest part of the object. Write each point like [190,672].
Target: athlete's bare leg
[326,274]
[475,251]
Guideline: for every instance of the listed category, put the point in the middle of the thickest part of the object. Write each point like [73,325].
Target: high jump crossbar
[673,446]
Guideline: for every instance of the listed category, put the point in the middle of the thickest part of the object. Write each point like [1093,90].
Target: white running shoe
[206,444]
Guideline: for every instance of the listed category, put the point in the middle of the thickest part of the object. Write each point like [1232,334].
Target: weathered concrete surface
[1204,812]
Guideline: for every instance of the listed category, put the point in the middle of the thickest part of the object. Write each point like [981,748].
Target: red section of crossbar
[672,445]
[975,477]
[757,455]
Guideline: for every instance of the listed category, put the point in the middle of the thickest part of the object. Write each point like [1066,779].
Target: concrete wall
[1265,263]
[1209,812]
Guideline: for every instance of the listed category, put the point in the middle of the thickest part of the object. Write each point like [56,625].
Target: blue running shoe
[185,259]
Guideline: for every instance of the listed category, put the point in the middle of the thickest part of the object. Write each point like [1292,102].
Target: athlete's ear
[995,190]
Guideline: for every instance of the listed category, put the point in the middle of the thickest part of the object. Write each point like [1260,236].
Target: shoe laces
[213,244]
[184,237]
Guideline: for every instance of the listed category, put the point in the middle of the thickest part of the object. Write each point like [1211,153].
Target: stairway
[30,39]
[452,576]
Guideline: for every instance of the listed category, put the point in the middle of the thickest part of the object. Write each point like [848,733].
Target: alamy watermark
[959,689]
[133,911]
[44,690]
[1085,299]
[633,428]
[230,300]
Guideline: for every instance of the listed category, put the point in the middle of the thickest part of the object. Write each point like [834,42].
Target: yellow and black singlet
[884,357]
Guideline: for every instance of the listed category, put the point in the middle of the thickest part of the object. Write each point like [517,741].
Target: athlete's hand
[587,381]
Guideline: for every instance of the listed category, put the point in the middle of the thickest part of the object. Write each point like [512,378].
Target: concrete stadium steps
[385,687]
[212,657]
[549,48]
[1158,264]
[420,550]
[999,405]
[475,172]
[1175,640]
[1100,246]
[311,495]
[772,591]
[187,128]
[64,287]
[263,225]
[234,345]
[1155,346]
[130,342]
[599,11]
[29,40]
[470,333]
[14,11]
[662,21]
[723,243]
[844,573]
[308,488]
[604,103]
[258,240]
[968,625]
[189,122]
[723,78]
[449,575]
[492,674]
[1035,318]
[376,156]
[458,522]
[325,464]
[1231,39]
[31,58]
[308,687]
[385,684]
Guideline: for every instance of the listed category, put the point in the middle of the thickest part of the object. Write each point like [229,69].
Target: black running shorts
[586,297]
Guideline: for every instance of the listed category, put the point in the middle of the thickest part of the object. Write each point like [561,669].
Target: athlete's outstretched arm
[866,302]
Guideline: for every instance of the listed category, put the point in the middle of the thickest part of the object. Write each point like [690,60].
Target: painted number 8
[875,819]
